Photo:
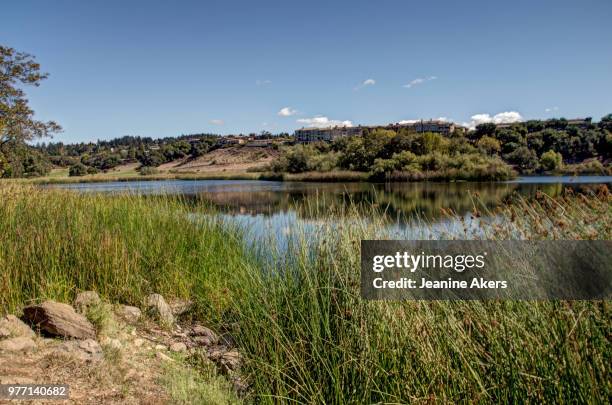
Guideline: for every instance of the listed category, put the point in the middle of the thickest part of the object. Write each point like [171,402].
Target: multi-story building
[305,135]
[437,126]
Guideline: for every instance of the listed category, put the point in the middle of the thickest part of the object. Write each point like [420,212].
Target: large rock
[17,344]
[86,299]
[157,306]
[180,307]
[11,326]
[130,315]
[59,319]
[87,350]
[203,335]
[227,360]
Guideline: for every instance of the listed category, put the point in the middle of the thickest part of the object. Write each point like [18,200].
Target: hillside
[234,159]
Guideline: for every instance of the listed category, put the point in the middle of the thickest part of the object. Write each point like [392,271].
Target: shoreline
[319,177]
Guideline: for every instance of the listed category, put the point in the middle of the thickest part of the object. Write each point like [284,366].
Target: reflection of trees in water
[397,200]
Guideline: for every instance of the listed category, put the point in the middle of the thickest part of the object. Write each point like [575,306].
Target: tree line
[488,152]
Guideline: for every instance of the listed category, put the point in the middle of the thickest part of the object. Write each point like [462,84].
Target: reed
[306,334]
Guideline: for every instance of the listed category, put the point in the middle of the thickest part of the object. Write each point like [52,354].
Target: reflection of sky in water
[273,235]
[280,212]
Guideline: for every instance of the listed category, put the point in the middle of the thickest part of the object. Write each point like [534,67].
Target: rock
[157,306]
[86,299]
[180,307]
[87,350]
[178,347]
[226,360]
[203,341]
[203,331]
[163,357]
[129,314]
[160,347]
[112,343]
[138,342]
[11,326]
[17,344]
[231,360]
[59,319]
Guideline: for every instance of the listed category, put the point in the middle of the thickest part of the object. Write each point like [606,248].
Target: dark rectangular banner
[478,270]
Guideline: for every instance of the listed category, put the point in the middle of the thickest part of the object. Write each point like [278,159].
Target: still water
[273,207]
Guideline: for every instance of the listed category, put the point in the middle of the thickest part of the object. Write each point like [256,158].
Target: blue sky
[165,68]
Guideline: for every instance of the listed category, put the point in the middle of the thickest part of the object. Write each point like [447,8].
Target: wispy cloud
[507,117]
[419,80]
[367,82]
[322,121]
[263,82]
[551,109]
[217,122]
[286,112]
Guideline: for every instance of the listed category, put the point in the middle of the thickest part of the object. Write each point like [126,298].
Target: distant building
[436,126]
[231,140]
[579,122]
[506,125]
[259,143]
[305,135]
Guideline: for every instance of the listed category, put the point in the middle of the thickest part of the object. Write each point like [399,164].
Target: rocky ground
[114,354]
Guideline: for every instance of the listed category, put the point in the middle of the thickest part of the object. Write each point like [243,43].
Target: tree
[4,166]
[17,123]
[606,122]
[551,160]
[525,158]
[78,169]
[489,145]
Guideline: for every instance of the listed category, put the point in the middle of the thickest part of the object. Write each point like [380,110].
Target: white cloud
[286,112]
[367,82]
[551,109]
[322,122]
[404,122]
[507,117]
[217,122]
[262,82]
[419,80]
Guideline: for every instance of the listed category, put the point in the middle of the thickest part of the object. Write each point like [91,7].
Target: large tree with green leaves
[17,123]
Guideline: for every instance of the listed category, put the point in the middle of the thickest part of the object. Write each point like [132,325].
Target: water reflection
[311,201]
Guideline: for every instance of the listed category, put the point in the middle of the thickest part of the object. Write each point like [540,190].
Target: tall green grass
[54,243]
[306,334]
[312,339]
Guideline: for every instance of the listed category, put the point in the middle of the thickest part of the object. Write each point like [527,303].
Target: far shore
[59,177]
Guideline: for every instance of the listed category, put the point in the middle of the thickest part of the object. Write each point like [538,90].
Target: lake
[274,207]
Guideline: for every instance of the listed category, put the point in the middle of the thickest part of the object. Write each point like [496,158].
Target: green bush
[148,171]
[551,160]
[77,170]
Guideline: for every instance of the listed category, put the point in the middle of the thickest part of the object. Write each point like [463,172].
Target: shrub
[77,170]
[551,160]
[489,145]
[148,170]
[525,158]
